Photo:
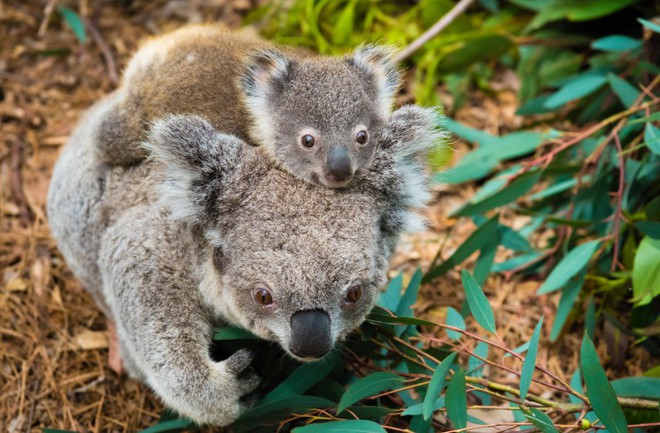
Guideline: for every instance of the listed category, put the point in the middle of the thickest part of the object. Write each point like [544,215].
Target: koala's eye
[361,137]
[307,140]
[263,296]
[354,294]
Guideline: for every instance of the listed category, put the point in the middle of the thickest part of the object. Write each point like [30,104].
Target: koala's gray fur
[266,95]
[174,245]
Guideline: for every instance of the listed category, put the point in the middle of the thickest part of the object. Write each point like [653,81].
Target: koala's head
[293,262]
[320,117]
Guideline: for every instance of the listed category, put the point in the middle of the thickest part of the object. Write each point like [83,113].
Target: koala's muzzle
[310,334]
[339,167]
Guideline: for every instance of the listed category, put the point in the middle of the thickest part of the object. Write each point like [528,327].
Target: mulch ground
[53,339]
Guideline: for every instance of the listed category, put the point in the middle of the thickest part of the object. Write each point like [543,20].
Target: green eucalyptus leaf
[625,91]
[601,395]
[169,426]
[456,400]
[346,426]
[454,319]
[568,297]
[74,22]
[652,138]
[650,228]
[476,365]
[483,235]
[530,361]
[576,260]
[519,187]
[639,387]
[616,43]
[392,296]
[575,89]
[303,378]
[410,296]
[646,271]
[233,333]
[436,385]
[478,302]
[649,25]
[418,409]
[540,420]
[343,29]
[367,386]
[650,118]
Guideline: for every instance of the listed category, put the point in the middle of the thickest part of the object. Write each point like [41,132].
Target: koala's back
[191,71]
[86,196]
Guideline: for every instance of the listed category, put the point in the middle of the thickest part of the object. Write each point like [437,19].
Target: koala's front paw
[216,393]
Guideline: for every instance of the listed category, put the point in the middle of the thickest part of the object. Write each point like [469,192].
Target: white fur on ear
[377,61]
[196,160]
[263,70]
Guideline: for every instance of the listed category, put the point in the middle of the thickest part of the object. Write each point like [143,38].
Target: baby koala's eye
[361,137]
[307,140]
[263,296]
[354,294]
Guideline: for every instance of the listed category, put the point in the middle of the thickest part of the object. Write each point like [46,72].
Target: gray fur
[268,96]
[175,245]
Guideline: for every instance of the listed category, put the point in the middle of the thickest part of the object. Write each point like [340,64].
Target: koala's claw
[239,365]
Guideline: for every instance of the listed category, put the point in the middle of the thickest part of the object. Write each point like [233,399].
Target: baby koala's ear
[376,61]
[265,71]
[400,166]
[412,130]
[198,163]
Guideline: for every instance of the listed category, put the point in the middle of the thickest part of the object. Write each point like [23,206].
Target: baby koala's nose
[310,334]
[339,167]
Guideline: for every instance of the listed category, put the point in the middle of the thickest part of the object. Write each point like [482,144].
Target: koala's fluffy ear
[400,168]
[265,71]
[198,162]
[377,63]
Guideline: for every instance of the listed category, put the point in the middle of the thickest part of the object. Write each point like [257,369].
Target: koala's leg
[121,130]
[163,325]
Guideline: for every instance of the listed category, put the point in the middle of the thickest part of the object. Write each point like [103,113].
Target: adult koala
[208,230]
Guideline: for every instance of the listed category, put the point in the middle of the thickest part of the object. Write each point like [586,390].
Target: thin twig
[105,50]
[433,31]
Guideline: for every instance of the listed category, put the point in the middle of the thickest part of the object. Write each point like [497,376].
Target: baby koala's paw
[241,382]
[412,127]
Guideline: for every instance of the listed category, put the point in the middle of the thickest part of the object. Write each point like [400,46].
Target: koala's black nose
[339,167]
[310,334]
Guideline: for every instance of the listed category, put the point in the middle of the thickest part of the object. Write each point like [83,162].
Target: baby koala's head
[320,117]
[293,262]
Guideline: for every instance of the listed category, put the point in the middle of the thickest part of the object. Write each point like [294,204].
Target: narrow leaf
[568,297]
[367,386]
[569,266]
[303,378]
[233,333]
[456,400]
[410,296]
[170,426]
[507,194]
[640,387]
[418,409]
[454,319]
[476,365]
[601,395]
[348,426]
[436,385]
[616,43]
[646,271]
[475,241]
[649,25]
[652,138]
[625,91]
[478,302]
[74,22]
[574,90]
[540,420]
[392,296]
[530,361]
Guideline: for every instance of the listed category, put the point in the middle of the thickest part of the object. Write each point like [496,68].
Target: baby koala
[319,118]
[208,231]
